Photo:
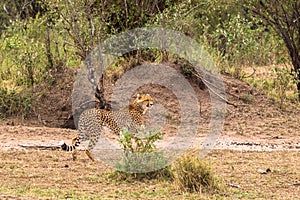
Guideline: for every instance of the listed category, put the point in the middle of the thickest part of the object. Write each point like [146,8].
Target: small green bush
[141,159]
[283,82]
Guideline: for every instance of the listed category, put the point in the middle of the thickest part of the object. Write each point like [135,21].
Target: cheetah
[92,121]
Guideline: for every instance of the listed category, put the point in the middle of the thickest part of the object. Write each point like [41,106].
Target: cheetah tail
[75,143]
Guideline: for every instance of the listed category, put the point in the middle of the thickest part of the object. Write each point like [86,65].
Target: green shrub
[22,51]
[140,158]
[284,81]
[278,84]
[13,103]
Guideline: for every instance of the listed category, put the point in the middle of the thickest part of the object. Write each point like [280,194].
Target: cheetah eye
[150,104]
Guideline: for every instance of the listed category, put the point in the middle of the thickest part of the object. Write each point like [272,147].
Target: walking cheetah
[92,121]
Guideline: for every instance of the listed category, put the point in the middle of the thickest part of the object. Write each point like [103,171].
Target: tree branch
[90,19]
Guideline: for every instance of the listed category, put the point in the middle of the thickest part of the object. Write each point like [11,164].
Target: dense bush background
[40,38]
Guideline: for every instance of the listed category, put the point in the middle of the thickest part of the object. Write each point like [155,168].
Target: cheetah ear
[138,96]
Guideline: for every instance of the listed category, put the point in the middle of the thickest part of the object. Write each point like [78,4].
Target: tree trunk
[296,65]
[48,49]
[298,83]
[294,55]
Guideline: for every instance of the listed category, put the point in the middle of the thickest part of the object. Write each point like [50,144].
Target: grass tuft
[194,175]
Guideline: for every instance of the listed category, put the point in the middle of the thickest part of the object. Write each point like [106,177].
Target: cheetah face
[145,100]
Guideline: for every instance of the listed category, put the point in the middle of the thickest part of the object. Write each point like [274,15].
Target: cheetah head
[144,101]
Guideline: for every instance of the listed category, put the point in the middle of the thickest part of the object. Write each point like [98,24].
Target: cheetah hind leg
[75,143]
[74,155]
[88,153]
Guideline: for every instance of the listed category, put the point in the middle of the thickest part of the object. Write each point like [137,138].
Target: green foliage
[284,81]
[12,10]
[39,38]
[141,159]
[133,144]
[278,83]
[283,17]
[194,175]
[232,36]
[23,60]
[13,103]
[23,63]
[86,23]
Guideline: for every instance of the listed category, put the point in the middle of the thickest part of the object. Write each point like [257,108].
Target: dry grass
[52,175]
[240,168]
[192,174]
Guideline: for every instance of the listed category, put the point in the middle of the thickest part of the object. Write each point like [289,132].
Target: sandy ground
[256,123]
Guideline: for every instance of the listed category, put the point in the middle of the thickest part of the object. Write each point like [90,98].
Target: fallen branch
[294,184]
[210,87]
[233,185]
[42,147]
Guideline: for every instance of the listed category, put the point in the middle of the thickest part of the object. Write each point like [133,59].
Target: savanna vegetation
[42,37]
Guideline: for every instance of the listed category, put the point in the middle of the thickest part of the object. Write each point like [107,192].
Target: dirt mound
[252,121]
[52,106]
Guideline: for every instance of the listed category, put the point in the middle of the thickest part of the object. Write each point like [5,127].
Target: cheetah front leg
[93,141]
